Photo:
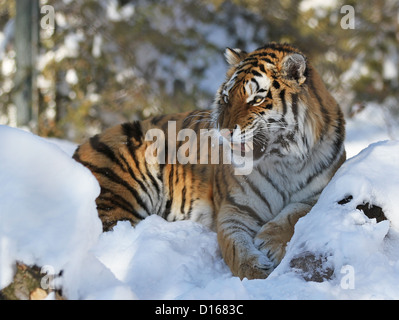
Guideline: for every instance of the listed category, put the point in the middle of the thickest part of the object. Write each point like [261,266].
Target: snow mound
[338,242]
[339,250]
[47,210]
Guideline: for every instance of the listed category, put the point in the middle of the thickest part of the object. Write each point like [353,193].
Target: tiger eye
[258,99]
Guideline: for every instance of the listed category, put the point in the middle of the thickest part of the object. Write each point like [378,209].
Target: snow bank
[48,217]
[48,214]
[361,255]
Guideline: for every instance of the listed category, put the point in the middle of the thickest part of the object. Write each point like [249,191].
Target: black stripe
[263,54]
[314,175]
[276,85]
[162,166]
[171,189]
[277,152]
[102,148]
[182,177]
[340,133]
[282,141]
[274,185]
[133,130]
[183,202]
[237,184]
[240,71]
[167,209]
[116,204]
[137,179]
[266,60]
[217,185]
[153,180]
[220,181]
[238,226]
[236,85]
[250,62]
[333,157]
[135,134]
[191,206]
[111,175]
[104,207]
[259,194]
[246,210]
[256,73]
[294,106]
[116,199]
[282,97]
[256,82]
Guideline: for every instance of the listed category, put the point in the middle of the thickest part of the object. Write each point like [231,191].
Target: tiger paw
[271,240]
[255,266]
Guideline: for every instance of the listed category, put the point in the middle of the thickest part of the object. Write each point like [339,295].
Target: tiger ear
[294,67]
[234,56]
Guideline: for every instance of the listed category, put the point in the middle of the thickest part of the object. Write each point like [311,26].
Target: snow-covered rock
[358,256]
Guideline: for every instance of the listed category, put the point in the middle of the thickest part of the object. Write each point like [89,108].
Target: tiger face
[261,95]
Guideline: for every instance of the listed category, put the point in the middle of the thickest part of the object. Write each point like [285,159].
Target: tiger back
[283,114]
[134,187]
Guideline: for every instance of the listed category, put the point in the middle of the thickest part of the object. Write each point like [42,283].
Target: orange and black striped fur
[285,115]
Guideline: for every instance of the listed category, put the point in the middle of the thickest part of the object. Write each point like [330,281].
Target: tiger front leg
[273,237]
[236,231]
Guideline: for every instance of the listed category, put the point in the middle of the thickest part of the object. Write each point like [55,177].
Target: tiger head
[266,96]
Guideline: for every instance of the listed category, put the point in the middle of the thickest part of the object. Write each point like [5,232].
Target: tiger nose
[235,128]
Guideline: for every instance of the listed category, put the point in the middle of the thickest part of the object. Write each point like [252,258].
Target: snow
[346,236]
[48,217]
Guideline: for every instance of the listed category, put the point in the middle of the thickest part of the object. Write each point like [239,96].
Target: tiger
[286,116]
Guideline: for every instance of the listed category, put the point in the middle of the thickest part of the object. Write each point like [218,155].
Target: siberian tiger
[288,119]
